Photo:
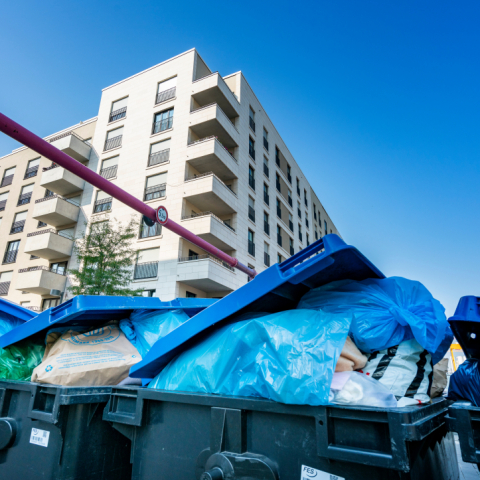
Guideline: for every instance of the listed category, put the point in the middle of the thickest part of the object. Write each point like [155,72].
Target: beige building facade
[177,135]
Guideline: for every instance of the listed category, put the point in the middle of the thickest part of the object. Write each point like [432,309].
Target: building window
[279,258]
[59,267]
[266,224]
[146,265]
[251,243]
[251,177]
[292,250]
[18,222]
[166,90]
[118,110]
[103,202]
[290,221]
[251,267]
[113,139]
[316,234]
[306,221]
[11,252]
[308,239]
[299,210]
[266,254]
[277,156]
[279,235]
[289,173]
[148,293]
[300,232]
[50,303]
[305,197]
[266,170]
[279,209]
[266,196]
[109,167]
[251,147]
[251,209]
[155,187]
[146,231]
[8,177]
[265,139]
[190,294]
[162,121]
[3,201]
[326,226]
[48,193]
[41,224]
[277,182]
[159,153]
[32,168]
[298,187]
[290,199]
[251,119]
[5,279]
[314,211]
[25,195]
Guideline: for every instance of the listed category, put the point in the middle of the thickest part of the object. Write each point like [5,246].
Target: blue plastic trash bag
[465,382]
[386,312]
[145,327]
[7,323]
[287,357]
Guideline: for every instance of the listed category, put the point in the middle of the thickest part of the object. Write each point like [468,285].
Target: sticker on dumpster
[309,473]
[39,437]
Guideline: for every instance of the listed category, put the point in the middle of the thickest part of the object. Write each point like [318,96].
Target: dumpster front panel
[464,419]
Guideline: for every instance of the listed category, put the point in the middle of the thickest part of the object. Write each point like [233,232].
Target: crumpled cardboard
[351,358]
[102,356]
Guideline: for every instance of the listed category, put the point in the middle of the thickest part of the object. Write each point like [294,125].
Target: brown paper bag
[98,357]
[351,358]
[439,382]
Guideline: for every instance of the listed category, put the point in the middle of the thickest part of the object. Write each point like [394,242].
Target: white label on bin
[309,473]
[39,437]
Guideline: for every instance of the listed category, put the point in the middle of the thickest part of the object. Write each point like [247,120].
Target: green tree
[105,257]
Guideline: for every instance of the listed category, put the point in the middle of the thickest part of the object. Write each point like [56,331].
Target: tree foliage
[105,256]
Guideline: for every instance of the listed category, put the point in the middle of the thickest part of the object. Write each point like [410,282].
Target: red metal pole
[47,150]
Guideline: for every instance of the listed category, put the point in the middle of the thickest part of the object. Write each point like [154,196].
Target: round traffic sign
[162,215]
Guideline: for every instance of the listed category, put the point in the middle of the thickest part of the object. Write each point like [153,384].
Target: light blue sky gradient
[378,102]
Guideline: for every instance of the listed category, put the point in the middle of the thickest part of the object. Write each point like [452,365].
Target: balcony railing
[208,174]
[42,232]
[2,205]
[290,225]
[251,152]
[251,248]
[10,257]
[266,227]
[4,287]
[145,270]
[251,122]
[66,134]
[113,143]
[118,114]
[205,139]
[279,239]
[158,158]
[109,172]
[103,205]
[35,309]
[251,213]
[206,256]
[292,251]
[17,227]
[156,191]
[31,172]
[265,143]
[210,214]
[266,198]
[266,259]
[53,165]
[7,181]
[266,171]
[62,272]
[251,181]
[162,125]
[279,212]
[165,95]
[153,231]
[24,198]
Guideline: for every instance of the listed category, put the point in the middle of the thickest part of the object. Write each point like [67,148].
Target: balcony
[48,244]
[213,89]
[209,194]
[40,280]
[206,273]
[61,181]
[211,121]
[209,155]
[72,145]
[55,211]
[145,270]
[212,229]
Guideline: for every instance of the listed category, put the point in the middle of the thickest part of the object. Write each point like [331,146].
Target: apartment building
[177,135]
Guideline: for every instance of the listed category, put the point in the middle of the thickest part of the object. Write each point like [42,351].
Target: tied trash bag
[386,312]
[18,361]
[355,388]
[145,327]
[288,357]
[96,357]
[465,382]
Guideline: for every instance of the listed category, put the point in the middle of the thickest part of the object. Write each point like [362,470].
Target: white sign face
[162,215]
[39,437]
[309,473]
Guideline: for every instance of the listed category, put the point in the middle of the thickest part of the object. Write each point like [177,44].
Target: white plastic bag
[355,388]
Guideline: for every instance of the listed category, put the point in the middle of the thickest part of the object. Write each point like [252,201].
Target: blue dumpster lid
[90,310]
[466,325]
[276,289]
[17,311]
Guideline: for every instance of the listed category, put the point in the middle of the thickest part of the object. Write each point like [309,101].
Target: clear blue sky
[378,102]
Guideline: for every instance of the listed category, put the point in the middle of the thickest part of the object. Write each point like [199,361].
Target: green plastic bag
[18,361]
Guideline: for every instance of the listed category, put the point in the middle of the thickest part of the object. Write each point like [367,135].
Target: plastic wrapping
[145,327]
[465,382]
[386,312]
[7,323]
[355,388]
[18,361]
[288,357]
